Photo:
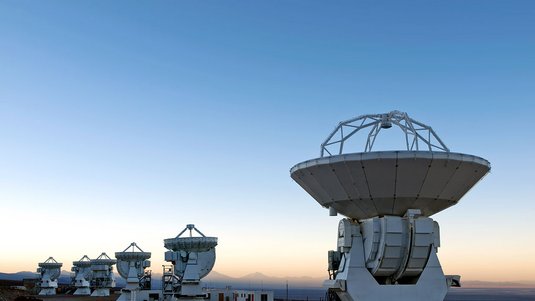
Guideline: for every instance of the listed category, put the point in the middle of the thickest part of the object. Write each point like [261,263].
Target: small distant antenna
[82,276]
[191,256]
[131,264]
[49,271]
[103,277]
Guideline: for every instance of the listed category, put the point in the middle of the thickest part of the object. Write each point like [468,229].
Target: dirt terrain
[77,298]
[7,294]
[13,290]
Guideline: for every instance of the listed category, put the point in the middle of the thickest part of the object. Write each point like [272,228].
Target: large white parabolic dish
[378,183]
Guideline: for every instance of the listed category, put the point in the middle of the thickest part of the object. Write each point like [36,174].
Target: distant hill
[18,276]
[250,281]
[498,284]
[64,278]
[214,279]
[259,281]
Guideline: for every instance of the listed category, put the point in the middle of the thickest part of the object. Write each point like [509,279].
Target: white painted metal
[131,264]
[387,247]
[103,278]
[82,276]
[49,272]
[192,259]
[364,185]
[354,282]
[417,135]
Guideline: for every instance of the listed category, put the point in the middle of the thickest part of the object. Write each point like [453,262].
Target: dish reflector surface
[369,184]
[190,244]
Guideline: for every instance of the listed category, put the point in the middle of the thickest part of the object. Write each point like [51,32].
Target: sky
[124,121]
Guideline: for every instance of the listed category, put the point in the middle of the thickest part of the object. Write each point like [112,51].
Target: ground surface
[462,294]
[78,298]
[17,295]
[9,294]
[455,294]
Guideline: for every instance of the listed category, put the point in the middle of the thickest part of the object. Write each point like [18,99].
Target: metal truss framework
[417,135]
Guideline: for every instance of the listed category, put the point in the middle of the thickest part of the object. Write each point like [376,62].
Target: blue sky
[115,114]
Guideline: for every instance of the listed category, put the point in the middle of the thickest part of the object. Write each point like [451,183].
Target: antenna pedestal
[387,258]
[101,292]
[83,291]
[130,291]
[50,290]
[82,286]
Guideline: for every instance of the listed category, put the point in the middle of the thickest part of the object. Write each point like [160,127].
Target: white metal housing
[82,275]
[103,278]
[192,259]
[49,271]
[364,185]
[131,264]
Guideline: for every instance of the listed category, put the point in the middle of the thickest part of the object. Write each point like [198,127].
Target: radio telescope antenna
[387,245]
[82,276]
[192,259]
[103,277]
[131,264]
[49,272]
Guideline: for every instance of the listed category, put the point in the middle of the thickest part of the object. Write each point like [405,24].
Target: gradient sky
[123,121]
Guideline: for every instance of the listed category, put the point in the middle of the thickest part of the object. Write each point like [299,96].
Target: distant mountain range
[498,284]
[214,279]
[64,278]
[17,276]
[261,281]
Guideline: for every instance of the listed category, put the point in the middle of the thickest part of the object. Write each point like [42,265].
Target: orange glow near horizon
[237,257]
